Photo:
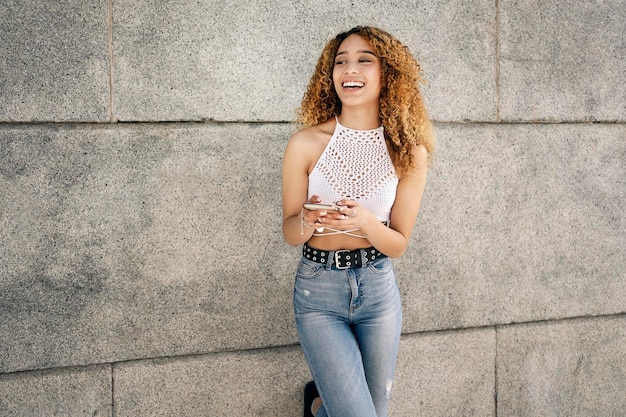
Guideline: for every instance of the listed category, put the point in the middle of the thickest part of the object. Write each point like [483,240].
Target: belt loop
[364,259]
[330,260]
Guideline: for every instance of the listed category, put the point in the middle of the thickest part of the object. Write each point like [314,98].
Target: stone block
[255,383]
[518,223]
[72,392]
[438,374]
[125,242]
[200,60]
[168,237]
[54,61]
[575,368]
[446,374]
[562,60]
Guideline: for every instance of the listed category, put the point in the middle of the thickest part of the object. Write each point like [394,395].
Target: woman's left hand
[350,216]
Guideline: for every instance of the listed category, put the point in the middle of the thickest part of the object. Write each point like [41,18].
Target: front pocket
[380,266]
[309,270]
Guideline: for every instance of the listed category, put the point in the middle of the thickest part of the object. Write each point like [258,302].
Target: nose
[352,68]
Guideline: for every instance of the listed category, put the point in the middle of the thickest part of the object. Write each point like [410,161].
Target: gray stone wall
[142,266]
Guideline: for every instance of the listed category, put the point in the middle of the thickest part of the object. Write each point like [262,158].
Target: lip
[350,84]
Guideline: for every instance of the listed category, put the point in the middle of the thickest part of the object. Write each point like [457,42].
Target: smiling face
[356,73]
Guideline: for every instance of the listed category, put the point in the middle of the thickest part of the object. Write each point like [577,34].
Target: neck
[360,119]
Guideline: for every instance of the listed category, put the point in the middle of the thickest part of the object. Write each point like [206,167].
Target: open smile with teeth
[352,84]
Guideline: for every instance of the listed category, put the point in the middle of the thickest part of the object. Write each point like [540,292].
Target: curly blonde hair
[402,110]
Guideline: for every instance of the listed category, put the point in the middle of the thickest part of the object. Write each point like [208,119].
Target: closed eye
[362,60]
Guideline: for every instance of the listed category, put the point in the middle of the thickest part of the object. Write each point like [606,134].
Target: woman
[363,148]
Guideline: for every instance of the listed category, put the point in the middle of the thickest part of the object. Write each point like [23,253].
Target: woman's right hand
[313,218]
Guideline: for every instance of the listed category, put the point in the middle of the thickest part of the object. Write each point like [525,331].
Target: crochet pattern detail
[356,165]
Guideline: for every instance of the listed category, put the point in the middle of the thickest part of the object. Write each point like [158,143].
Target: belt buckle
[337,265]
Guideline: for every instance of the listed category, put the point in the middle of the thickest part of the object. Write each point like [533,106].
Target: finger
[346,202]
[346,211]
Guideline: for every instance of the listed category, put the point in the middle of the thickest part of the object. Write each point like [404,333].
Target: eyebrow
[364,51]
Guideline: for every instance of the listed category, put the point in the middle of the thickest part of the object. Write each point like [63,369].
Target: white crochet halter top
[356,165]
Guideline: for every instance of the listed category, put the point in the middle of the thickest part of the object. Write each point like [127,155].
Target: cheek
[335,76]
[376,78]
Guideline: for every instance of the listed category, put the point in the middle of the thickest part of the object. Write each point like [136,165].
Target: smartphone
[327,207]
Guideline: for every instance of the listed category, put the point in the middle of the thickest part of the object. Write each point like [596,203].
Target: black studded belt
[342,259]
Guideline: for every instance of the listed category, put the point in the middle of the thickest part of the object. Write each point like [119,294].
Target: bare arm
[295,183]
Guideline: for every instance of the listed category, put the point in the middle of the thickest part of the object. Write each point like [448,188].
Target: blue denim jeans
[349,323]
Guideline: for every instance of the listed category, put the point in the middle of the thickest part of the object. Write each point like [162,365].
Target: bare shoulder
[313,135]
[306,146]
[420,154]
[420,164]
